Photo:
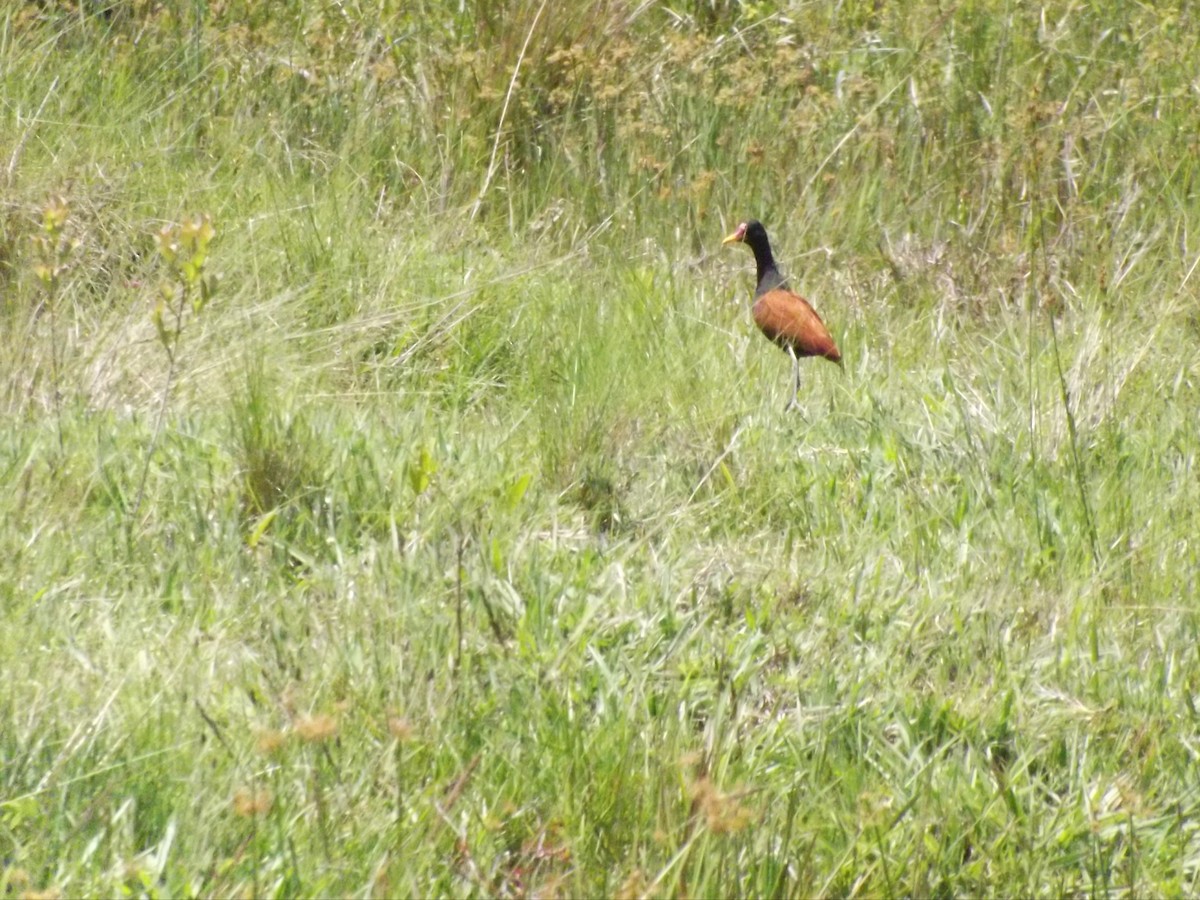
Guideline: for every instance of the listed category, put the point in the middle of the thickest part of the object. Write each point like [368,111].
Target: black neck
[769,276]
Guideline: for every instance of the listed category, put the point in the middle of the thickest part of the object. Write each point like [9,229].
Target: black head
[750,232]
[754,235]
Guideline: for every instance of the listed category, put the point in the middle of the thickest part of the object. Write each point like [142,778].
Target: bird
[782,315]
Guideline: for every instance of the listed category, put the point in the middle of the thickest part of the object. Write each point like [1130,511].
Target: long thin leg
[795,379]
[794,403]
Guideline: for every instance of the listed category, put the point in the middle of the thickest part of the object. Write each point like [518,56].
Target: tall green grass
[475,554]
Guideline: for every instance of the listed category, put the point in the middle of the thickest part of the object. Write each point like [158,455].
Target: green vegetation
[397,499]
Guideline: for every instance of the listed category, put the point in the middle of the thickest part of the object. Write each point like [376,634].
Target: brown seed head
[316,728]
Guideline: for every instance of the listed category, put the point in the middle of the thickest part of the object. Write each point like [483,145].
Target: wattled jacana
[782,315]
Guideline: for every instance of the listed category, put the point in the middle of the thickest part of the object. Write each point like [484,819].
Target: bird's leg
[794,403]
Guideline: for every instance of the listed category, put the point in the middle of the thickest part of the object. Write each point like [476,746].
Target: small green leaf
[421,471]
[54,216]
[516,490]
[16,812]
[260,529]
[165,243]
[191,271]
[160,326]
[208,287]
[728,475]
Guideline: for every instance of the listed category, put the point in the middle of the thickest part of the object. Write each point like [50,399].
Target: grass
[475,555]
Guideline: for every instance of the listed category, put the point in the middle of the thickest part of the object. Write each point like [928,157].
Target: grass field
[397,499]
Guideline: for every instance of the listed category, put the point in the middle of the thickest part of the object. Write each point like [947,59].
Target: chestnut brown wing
[788,320]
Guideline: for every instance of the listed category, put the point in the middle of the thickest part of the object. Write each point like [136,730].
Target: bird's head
[750,232]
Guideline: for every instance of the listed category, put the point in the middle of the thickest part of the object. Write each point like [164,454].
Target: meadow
[397,499]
